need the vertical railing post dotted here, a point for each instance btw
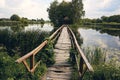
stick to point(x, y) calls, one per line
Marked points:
point(32, 61)
point(81, 65)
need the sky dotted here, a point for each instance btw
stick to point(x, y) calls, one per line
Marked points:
point(34, 9)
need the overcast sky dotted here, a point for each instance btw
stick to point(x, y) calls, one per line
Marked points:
point(34, 9)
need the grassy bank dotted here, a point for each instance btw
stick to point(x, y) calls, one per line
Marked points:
point(102, 70)
point(10, 23)
point(13, 45)
point(107, 25)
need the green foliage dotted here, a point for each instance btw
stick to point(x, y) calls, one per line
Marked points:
point(9, 70)
point(21, 41)
point(102, 70)
point(59, 12)
point(104, 20)
point(72, 60)
point(95, 56)
point(47, 54)
point(10, 23)
point(74, 28)
point(42, 21)
point(24, 21)
point(106, 72)
point(113, 18)
point(78, 10)
point(65, 12)
point(15, 17)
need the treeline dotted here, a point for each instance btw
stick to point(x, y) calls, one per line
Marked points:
point(104, 19)
point(19, 21)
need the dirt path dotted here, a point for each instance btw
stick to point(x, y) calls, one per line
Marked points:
point(61, 70)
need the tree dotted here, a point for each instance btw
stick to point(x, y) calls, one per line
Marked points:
point(15, 17)
point(24, 21)
point(104, 19)
point(60, 13)
point(42, 21)
point(52, 12)
point(78, 10)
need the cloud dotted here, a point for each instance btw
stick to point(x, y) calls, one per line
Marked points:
point(98, 8)
point(37, 8)
point(24, 8)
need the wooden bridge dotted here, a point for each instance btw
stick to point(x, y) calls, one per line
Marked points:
point(62, 69)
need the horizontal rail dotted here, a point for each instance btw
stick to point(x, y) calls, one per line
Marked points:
point(81, 52)
point(33, 52)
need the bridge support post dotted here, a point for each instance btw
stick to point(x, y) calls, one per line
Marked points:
point(81, 65)
point(32, 61)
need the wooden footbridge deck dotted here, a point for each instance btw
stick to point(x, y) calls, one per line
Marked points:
point(62, 69)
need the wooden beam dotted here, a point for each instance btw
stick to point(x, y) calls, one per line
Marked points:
point(32, 61)
point(26, 65)
point(81, 65)
point(35, 51)
point(81, 52)
point(84, 70)
point(33, 69)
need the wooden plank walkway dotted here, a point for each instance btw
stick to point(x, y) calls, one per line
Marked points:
point(61, 70)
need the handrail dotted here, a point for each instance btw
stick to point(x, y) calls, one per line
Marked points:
point(35, 51)
point(83, 57)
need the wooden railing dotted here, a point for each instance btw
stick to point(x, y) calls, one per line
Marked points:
point(82, 62)
point(32, 54)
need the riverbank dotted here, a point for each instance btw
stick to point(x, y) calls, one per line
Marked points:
point(108, 25)
point(10, 23)
point(16, 44)
point(99, 45)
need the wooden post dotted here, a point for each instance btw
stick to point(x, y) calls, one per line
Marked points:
point(81, 67)
point(85, 69)
point(26, 65)
point(32, 61)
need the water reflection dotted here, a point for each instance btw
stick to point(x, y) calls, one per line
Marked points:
point(95, 38)
point(45, 27)
point(31, 27)
point(6, 27)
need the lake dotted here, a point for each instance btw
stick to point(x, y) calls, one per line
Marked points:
point(30, 27)
point(92, 37)
point(107, 40)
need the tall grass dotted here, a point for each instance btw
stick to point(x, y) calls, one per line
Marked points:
point(102, 69)
point(22, 42)
point(18, 44)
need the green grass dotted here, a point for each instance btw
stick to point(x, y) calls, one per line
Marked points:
point(13, 45)
point(102, 69)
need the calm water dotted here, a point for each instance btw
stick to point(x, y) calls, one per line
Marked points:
point(93, 38)
point(45, 27)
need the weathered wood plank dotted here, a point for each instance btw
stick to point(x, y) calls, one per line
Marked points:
point(61, 70)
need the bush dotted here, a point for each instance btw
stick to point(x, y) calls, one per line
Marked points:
point(9, 70)
point(47, 54)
